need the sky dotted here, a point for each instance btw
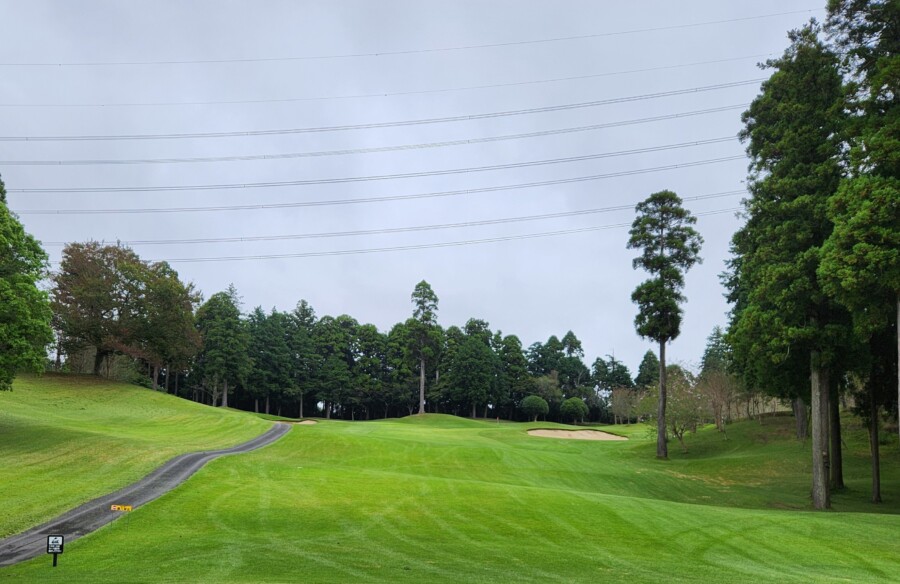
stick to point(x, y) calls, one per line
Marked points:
point(646, 96)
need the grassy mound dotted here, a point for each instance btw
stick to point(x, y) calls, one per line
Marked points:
point(67, 439)
point(432, 499)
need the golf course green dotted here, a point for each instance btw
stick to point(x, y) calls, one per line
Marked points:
point(433, 499)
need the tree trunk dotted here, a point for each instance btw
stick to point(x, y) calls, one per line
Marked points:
point(837, 459)
point(225, 395)
point(820, 418)
point(422, 386)
point(898, 361)
point(662, 450)
point(473, 411)
point(98, 361)
point(267, 404)
point(327, 411)
point(301, 405)
point(155, 377)
point(802, 421)
point(681, 441)
point(58, 365)
point(256, 405)
point(176, 384)
point(873, 445)
point(485, 411)
point(168, 374)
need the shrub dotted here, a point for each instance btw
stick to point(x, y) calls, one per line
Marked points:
point(574, 409)
point(534, 406)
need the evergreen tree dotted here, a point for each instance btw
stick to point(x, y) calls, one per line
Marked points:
point(861, 264)
point(669, 247)
point(224, 360)
point(784, 329)
point(648, 371)
point(424, 331)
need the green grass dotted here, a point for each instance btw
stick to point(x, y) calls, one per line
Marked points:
point(443, 499)
point(65, 440)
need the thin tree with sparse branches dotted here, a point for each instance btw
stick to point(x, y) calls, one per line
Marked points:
point(670, 246)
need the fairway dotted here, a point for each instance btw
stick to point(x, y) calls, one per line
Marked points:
point(442, 499)
point(65, 440)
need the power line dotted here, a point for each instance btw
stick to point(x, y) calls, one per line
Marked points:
point(379, 149)
point(390, 198)
point(393, 230)
point(417, 246)
point(382, 94)
point(405, 51)
point(397, 176)
point(394, 124)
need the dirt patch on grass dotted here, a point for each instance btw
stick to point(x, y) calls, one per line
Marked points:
point(576, 434)
point(305, 422)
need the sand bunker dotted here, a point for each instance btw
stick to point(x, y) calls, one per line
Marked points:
point(576, 434)
point(306, 422)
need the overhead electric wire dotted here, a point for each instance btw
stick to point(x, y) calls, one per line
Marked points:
point(393, 124)
point(405, 51)
point(417, 246)
point(383, 94)
point(397, 176)
point(392, 230)
point(362, 200)
point(396, 148)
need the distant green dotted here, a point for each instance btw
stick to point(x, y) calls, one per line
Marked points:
point(444, 499)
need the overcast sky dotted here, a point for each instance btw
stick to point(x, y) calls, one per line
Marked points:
point(299, 65)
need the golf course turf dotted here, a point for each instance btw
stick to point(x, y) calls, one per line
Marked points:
point(438, 498)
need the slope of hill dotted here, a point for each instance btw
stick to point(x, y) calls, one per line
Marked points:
point(436, 500)
point(67, 439)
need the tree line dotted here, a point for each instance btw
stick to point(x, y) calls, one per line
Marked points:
point(109, 305)
point(814, 278)
point(814, 275)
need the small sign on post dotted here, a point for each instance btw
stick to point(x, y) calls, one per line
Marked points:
point(120, 507)
point(55, 546)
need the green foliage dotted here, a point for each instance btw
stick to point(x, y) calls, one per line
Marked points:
point(648, 371)
point(305, 362)
point(861, 259)
point(93, 299)
point(610, 374)
point(545, 358)
point(780, 313)
point(165, 332)
point(867, 34)
point(669, 247)
point(472, 374)
point(271, 374)
point(573, 409)
point(24, 308)
point(225, 358)
point(715, 355)
point(515, 381)
point(425, 336)
point(107, 299)
point(534, 406)
point(571, 345)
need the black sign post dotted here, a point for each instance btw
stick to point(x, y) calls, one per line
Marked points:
point(55, 546)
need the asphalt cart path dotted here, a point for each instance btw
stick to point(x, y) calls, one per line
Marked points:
point(95, 514)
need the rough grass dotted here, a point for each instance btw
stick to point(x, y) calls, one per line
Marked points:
point(67, 439)
point(443, 499)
